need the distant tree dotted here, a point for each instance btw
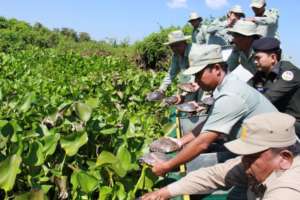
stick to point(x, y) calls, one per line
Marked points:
point(69, 33)
point(84, 37)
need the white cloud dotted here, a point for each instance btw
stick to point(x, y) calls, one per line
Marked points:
point(177, 3)
point(216, 4)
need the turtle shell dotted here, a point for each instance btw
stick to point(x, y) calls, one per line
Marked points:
point(171, 100)
point(186, 107)
point(152, 157)
point(164, 145)
point(155, 96)
point(187, 87)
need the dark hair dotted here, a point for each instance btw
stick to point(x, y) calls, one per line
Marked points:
point(294, 149)
point(277, 52)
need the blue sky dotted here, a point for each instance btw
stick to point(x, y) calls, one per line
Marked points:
point(135, 19)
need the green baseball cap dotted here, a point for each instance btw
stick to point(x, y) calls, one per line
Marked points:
point(243, 27)
point(202, 55)
point(264, 131)
point(176, 36)
point(257, 3)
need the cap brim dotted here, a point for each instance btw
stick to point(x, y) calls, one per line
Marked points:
point(195, 19)
point(240, 147)
point(256, 5)
point(231, 31)
point(183, 39)
point(193, 70)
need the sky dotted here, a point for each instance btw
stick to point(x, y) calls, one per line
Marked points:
point(135, 19)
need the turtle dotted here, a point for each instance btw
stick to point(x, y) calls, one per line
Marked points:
point(187, 107)
point(165, 145)
point(152, 157)
point(187, 87)
point(171, 100)
point(155, 96)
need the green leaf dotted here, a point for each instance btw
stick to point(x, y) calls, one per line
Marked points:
point(92, 102)
point(35, 156)
point(26, 104)
point(87, 182)
point(105, 193)
point(121, 193)
point(50, 143)
point(106, 157)
point(83, 111)
point(124, 157)
point(9, 169)
point(72, 143)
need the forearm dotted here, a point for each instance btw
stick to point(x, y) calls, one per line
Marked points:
point(195, 147)
point(186, 138)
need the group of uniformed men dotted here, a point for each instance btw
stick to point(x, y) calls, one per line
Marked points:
point(258, 118)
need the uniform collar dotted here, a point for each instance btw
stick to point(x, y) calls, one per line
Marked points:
point(276, 68)
point(218, 89)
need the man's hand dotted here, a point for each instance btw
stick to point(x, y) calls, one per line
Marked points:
point(161, 194)
point(160, 168)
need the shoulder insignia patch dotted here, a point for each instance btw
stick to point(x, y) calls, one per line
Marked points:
point(287, 75)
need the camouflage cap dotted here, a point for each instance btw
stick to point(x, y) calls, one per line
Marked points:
point(257, 3)
point(237, 9)
point(193, 16)
point(202, 55)
point(264, 131)
point(176, 36)
point(245, 28)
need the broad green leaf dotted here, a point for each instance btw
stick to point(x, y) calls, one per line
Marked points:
point(124, 157)
point(32, 195)
point(26, 104)
point(35, 156)
point(9, 169)
point(72, 143)
point(106, 157)
point(92, 102)
point(118, 169)
point(83, 111)
point(87, 182)
point(105, 193)
point(121, 193)
point(50, 143)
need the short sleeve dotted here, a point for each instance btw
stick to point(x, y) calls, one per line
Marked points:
point(225, 113)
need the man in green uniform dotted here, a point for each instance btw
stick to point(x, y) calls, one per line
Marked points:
point(277, 79)
point(267, 20)
point(218, 30)
point(244, 34)
point(269, 163)
point(198, 34)
point(234, 102)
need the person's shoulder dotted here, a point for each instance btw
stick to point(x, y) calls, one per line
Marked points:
point(272, 12)
point(289, 71)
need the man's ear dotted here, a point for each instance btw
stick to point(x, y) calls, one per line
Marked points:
point(286, 160)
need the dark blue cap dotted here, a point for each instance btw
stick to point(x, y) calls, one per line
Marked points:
point(266, 44)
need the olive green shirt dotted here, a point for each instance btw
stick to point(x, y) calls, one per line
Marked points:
point(240, 58)
point(268, 24)
point(218, 33)
point(199, 35)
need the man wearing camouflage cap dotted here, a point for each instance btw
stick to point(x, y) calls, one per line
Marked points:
point(218, 31)
point(198, 34)
point(244, 34)
point(234, 102)
point(277, 79)
point(269, 163)
point(267, 20)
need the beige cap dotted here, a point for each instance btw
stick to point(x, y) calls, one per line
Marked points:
point(176, 36)
point(264, 131)
point(243, 27)
point(202, 55)
point(237, 9)
point(193, 16)
point(257, 3)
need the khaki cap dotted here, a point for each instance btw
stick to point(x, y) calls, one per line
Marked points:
point(202, 55)
point(176, 36)
point(257, 3)
point(193, 16)
point(264, 131)
point(243, 27)
point(237, 9)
